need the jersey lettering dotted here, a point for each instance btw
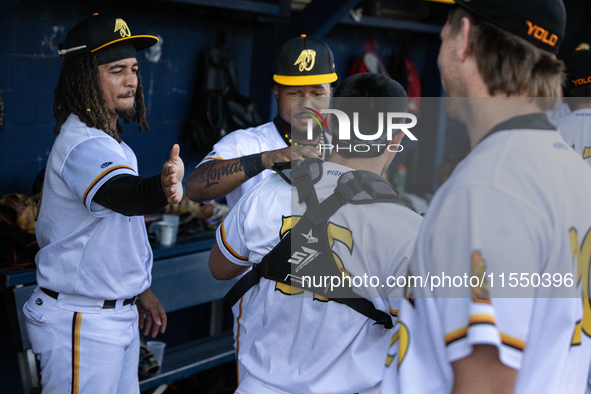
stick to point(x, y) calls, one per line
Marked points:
point(586, 152)
point(398, 345)
point(341, 234)
point(334, 232)
point(582, 253)
point(334, 173)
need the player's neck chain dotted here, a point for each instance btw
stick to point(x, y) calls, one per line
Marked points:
point(283, 128)
point(317, 146)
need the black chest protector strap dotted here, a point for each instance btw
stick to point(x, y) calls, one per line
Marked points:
point(304, 258)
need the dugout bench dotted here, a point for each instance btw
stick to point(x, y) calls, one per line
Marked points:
point(180, 279)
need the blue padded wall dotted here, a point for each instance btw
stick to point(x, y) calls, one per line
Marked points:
point(30, 67)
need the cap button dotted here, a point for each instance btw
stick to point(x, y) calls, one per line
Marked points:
point(303, 36)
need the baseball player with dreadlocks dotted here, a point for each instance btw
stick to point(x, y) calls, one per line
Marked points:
point(95, 260)
point(518, 205)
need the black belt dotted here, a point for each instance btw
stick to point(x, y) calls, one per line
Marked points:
point(108, 304)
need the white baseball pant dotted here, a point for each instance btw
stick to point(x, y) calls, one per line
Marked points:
point(82, 347)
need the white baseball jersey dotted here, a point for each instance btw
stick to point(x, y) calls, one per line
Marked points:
point(240, 143)
point(302, 344)
point(243, 143)
point(560, 109)
point(519, 203)
point(88, 254)
point(87, 249)
point(575, 128)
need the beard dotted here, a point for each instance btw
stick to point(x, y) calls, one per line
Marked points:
point(126, 114)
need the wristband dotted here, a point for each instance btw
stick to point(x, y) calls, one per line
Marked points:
point(252, 164)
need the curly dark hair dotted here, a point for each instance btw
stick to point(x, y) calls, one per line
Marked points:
point(79, 92)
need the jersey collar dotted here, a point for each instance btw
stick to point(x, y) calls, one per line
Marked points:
point(283, 127)
point(538, 121)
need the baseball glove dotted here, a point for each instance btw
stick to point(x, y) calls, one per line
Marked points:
point(148, 364)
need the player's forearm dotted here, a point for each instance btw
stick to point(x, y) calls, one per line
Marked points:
point(221, 268)
point(483, 372)
point(217, 178)
point(132, 195)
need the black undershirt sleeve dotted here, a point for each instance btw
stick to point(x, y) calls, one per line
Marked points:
point(132, 195)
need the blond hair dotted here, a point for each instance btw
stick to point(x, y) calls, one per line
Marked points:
point(511, 65)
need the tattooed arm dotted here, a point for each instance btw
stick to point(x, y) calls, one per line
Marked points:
point(216, 178)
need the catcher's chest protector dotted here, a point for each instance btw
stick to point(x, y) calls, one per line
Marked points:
point(303, 258)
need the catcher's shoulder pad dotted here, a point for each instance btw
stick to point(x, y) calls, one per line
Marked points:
point(375, 189)
point(296, 171)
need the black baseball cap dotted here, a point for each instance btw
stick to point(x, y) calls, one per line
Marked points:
point(541, 22)
point(102, 31)
point(578, 67)
point(304, 61)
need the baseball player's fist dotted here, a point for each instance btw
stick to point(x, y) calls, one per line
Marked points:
point(288, 154)
point(172, 176)
point(151, 313)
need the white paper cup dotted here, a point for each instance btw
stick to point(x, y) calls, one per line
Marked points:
point(164, 232)
point(174, 219)
point(157, 349)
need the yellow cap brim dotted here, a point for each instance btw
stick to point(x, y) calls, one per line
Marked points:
point(144, 39)
point(305, 80)
point(442, 1)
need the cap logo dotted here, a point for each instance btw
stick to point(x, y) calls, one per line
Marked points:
point(581, 81)
point(306, 60)
point(121, 27)
point(541, 34)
